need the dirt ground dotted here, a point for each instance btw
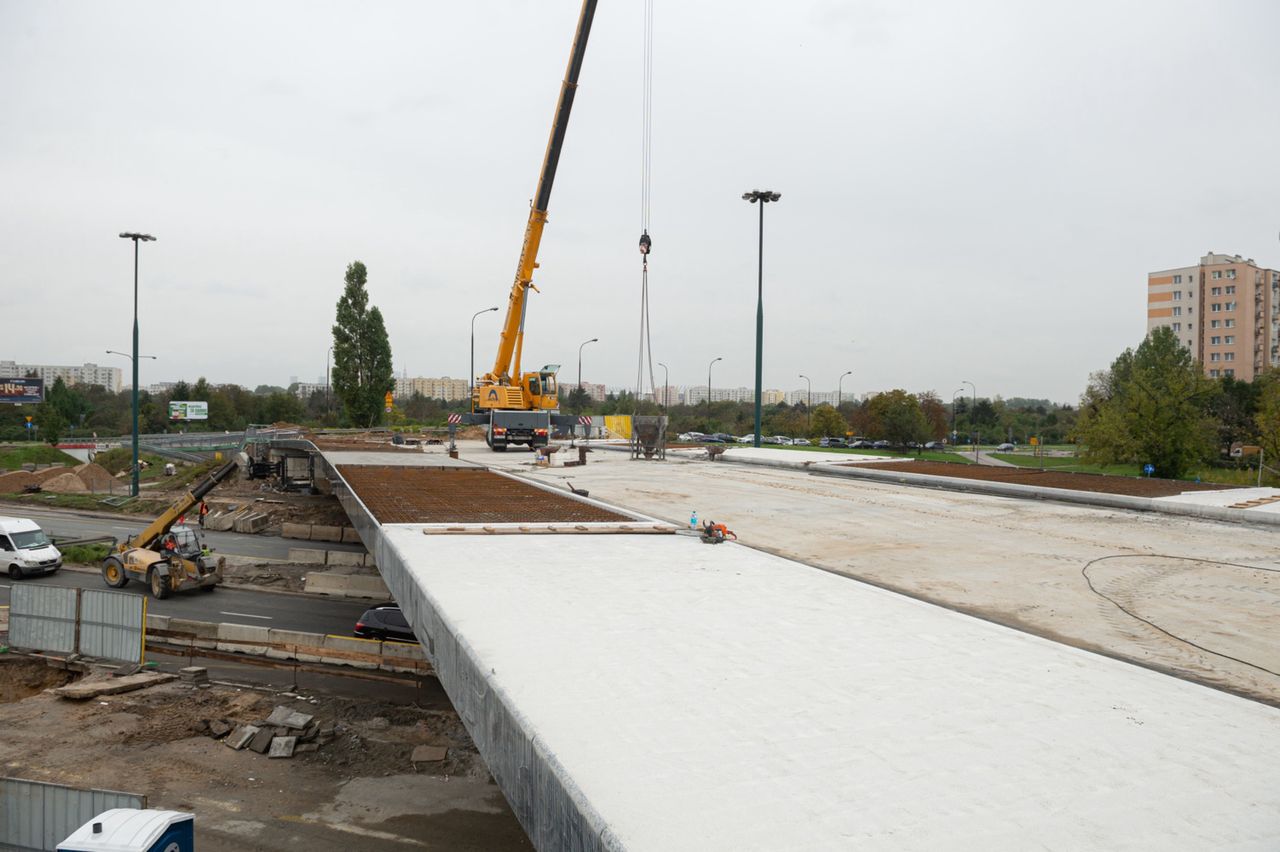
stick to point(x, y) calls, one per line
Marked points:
point(1193, 598)
point(358, 791)
point(1132, 486)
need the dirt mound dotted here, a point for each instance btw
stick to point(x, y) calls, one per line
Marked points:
point(13, 483)
point(40, 477)
point(95, 477)
point(64, 483)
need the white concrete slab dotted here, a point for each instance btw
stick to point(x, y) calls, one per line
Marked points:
point(1229, 497)
point(717, 698)
point(405, 458)
point(771, 456)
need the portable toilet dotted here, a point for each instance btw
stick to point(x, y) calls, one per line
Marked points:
point(134, 830)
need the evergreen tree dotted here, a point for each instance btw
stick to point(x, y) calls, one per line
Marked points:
point(362, 369)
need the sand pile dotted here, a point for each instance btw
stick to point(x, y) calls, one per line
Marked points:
point(13, 483)
point(42, 476)
point(65, 482)
point(95, 477)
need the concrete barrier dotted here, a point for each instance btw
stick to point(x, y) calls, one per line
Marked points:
point(254, 522)
point(243, 638)
point(308, 555)
point(344, 557)
point(294, 642)
point(320, 532)
point(299, 531)
point(402, 657)
point(205, 633)
point(343, 644)
point(322, 583)
point(221, 522)
point(367, 586)
point(157, 622)
point(351, 536)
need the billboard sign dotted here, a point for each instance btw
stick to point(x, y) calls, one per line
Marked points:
point(18, 391)
point(179, 410)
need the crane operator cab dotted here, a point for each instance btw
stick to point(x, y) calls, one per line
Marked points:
point(540, 388)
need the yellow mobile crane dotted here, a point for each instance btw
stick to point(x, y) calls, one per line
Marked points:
point(167, 555)
point(516, 407)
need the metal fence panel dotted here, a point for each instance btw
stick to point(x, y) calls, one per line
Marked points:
point(111, 625)
point(38, 816)
point(42, 618)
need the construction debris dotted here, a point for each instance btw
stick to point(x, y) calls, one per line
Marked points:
point(284, 716)
point(194, 676)
point(428, 754)
point(91, 688)
point(282, 746)
point(241, 736)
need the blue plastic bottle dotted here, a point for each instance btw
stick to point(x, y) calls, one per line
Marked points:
point(693, 521)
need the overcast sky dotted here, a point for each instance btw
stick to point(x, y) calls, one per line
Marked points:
point(971, 191)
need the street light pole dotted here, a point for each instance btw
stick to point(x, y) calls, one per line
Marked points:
point(134, 359)
point(666, 385)
point(472, 383)
point(808, 405)
point(953, 414)
point(328, 387)
point(580, 345)
point(709, 390)
point(137, 238)
point(763, 197)
point(973, 416)
point(839, 387)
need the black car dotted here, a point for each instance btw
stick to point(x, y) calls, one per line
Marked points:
point(385, 622)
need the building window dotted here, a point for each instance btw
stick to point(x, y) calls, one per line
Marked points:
point(1215, 291)
point(1229, 373)
point(1177, 326)
point(1231, 273)
point(1214, 323)
point(1230, 339)
point(1228, 356)
point(1216, 307)
point(1229, 306)
point(1177, 279)
point(1231, 289)
point(1177, 295)
point(1213, 374)
point(1215, 356)
point(1215, 340)
point(1230, 323)
point(1177, 312)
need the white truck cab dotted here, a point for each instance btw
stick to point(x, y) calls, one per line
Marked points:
point(25, 550)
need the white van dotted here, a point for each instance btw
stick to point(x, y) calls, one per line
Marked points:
point(25, 549)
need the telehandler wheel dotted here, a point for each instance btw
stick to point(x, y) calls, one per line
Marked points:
point(159, 585)
point(207, 588)
point(499, 448)
point(113, 573)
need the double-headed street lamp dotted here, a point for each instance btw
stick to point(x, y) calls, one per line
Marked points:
point(134, 479)
point(472, 384)
point(839, 384)
point(763, 196)
point(709, 389)
point(137, 238)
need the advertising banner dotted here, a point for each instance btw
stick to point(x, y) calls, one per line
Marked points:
point(22, 390)
point(188, 410)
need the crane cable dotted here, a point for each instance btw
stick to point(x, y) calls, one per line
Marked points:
point(646, 172)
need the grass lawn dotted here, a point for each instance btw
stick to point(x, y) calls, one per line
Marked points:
point(925, 455)
point(1225, 476)
point(14, 457)
point(144, 506)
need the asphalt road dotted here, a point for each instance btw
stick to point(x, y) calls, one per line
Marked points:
point(62, 524)
point(234, 606)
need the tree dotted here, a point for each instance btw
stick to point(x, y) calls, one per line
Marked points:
point(935, 414)
point(898, 417)
point(827, 422)
point(51, 422)
point(362, 368)
point(1149, 408)
point(1268, 416)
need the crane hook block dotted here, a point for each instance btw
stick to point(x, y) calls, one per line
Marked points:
point(645, 243)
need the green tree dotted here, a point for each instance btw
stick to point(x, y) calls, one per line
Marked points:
point(51, 422)
point(1149, 408)
point(1267, 418)
point(827, 423)
point(362, 368)
point(898, 417)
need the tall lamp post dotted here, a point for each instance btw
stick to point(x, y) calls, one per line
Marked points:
point(808, 405)
point(666, 385)
point(763, 196)
point(839, 387)
point(953, 414)
point(137, 238)
point(709, 389)
point(580, 345)
point(134, 479)
point(973, 416)
point(328, 386)
point(472, 383)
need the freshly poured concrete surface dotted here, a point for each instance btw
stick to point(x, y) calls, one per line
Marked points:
point(714, 697)
point(433, 457)
point(1231, 498)
point(1018, 562)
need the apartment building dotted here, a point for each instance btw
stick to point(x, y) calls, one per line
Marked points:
point(450, 390)
point(86, 374)
point(1225, 310)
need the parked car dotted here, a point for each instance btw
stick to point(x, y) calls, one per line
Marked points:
point(882, 445)
point(831, 442)
point(862, 444)
point(725, 438)
point(774, 439)
point(25, 550)
point(936, 445)
point(801, 442)
point(385, 622)
point(1004, 448)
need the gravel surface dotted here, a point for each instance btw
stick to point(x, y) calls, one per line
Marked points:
point(1131, 486)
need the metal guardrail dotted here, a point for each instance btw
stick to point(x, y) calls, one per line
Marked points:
point(35, 815)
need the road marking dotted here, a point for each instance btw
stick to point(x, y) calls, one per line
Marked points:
point(247, 615)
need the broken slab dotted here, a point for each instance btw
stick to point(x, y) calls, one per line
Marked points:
point(287, 717)
point(429, 754)
point(261, 741)
point(241, 737)
point(84, 690)
point(218, 729)
point(282, 746)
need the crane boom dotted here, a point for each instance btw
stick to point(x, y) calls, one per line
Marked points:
point(511, 341)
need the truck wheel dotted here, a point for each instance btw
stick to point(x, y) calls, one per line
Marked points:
point(159, 585)
point(113, 573)
point(207, 588)
point(15, 573)
point(499, 448)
